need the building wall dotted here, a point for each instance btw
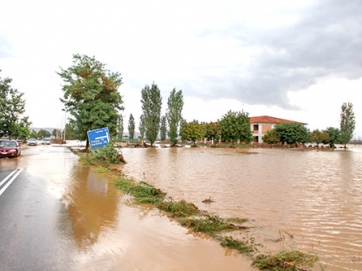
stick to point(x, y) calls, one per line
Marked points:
point(266, 128)
point(262, 129)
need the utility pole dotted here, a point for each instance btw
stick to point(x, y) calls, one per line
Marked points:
point(65, 122)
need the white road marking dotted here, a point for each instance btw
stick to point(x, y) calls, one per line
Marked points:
point(9, 179)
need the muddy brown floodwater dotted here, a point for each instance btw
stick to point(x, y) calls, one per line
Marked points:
point(302, 200)
point(106, 231)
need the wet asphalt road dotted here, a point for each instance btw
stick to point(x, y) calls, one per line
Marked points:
point(33, 223)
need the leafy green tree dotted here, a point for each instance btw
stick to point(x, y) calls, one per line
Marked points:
point(324, 137)
point(192, 131)
point(33, 134)
point(12, 109)
point(315, 136)
point(271, 137)
point(43, 133)
point(91, 95)
point(318, 137)
point(347, 124)
point(212, 130)
point(236, 126)
point(142, 128)
point(151, 106)
point(120, 127)
point(70, 130)
point(163, 129)
point(131, 127)
point(334, 136)
point(21, 129)
point(292, 133)
point(174, 114)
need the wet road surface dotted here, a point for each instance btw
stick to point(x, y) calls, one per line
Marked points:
point(31, 239)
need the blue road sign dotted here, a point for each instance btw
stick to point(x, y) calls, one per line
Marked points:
point(98, 138)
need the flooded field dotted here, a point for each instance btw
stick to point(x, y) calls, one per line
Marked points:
point(303, 200)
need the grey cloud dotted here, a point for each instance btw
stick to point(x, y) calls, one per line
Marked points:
point(327, 40)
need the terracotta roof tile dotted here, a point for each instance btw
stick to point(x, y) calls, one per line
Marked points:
point(272, 120)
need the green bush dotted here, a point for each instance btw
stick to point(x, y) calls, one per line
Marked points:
point(107, 155)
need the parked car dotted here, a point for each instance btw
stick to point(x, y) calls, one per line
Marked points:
point(46, 141)
point(32, 141)
point(9, 148)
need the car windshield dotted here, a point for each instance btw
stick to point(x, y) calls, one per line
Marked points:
point(7, 144)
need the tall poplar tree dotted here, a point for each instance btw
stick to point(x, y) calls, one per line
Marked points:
point(131, 127)
point(13, 123)
point(91, 95)
point(347, 124)
point(142, 128)
point(151, 106)
point(163, 129)
point(174, 115)
point(120, 127)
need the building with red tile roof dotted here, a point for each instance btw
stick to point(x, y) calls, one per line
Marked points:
point(260, 125)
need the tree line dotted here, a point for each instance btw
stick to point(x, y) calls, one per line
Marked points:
point(92, 99)
point(293, 133)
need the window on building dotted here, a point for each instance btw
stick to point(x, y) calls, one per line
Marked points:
point(256, 127)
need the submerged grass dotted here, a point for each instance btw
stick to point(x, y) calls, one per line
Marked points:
point(237, 220)
point(145, 193)
point(179, 209)
point(285, 260)
point(124, 184)
point(244, 247)
point(208, 224)
point(142, 192)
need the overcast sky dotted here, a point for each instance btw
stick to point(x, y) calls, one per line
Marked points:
point(298, 60)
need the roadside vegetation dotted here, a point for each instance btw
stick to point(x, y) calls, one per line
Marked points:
point(102, 157)
point(13, 123)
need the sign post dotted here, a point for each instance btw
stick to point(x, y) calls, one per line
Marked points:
point(98, 138)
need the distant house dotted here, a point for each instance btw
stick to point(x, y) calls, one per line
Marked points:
point(262, 124)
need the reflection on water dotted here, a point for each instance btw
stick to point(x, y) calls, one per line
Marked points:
point(310, 200)
point(91, 206)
